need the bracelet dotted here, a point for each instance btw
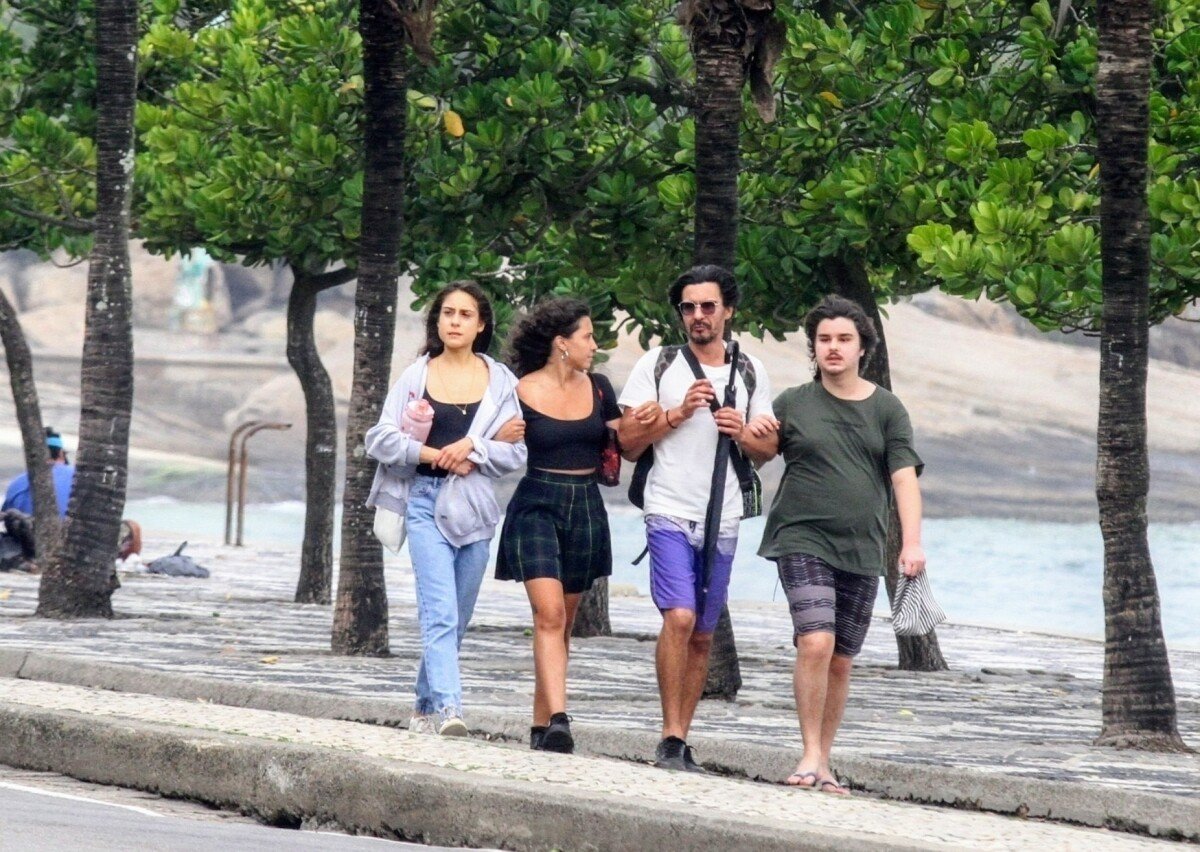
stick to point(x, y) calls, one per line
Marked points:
point(667, 417)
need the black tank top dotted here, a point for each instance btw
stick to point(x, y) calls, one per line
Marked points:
point(450, 423)
point(555, 444)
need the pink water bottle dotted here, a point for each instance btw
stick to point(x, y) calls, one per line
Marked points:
point(417, 419)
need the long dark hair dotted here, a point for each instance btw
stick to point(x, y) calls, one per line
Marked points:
point(483, 341)
point(533, 336)
point(835, 307)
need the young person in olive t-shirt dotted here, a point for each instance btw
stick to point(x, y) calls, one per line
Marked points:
point(847, 444)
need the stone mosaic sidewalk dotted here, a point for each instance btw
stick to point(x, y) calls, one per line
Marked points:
point(1017, 704)
point(697, 800)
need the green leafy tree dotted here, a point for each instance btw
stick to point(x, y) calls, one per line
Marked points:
point(251, 151)
point(46, 198)
point(1020, 223)
point(48, 166)
point(1087, 219)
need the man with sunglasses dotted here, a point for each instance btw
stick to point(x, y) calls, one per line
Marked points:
point(666, 406)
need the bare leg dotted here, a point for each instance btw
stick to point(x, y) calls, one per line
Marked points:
point(811, 684)
point(696, 675)
point(671, 660)
point(549, 651)
point(835, 704)
point(571, 603)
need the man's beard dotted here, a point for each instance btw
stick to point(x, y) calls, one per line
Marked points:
point(702, 336)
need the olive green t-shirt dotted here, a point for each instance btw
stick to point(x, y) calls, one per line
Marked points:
point(835, 496)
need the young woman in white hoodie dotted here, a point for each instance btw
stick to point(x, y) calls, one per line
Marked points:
point(442, 486)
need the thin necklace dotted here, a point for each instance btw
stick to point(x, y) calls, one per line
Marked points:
point(462, 409)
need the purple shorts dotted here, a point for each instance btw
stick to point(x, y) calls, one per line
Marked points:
point(676, 568)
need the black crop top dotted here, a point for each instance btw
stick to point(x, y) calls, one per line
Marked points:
point(571, 444)
point(450, 423)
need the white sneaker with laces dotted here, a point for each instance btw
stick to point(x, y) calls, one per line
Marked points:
point(453, 726)
point(421, 724)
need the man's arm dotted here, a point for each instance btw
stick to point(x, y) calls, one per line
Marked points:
point(908, 506)
point(639, 430)
point(639, 427)
point(759, 439)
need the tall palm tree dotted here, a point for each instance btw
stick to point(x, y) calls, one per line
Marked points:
point(46, 525)
point(387, 27)
point(733, 42)
point(79, 579)
point(1138, 704)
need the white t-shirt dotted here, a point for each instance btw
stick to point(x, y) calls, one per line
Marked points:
point(680, 480)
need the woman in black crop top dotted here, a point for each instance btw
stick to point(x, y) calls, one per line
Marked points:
point(555, 537)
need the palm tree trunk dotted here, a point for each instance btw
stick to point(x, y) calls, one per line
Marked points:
point(46, 526)
point(718, 112)
point(320, 460)
point(1138, 700)
point(849, 279)
point(80, 578)
point(591, 619)
point(360, 615)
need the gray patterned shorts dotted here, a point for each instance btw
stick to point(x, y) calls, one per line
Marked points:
point(825, 600)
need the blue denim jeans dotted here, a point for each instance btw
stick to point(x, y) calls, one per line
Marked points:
point(447, 582)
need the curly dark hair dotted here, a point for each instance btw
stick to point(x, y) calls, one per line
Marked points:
point(533, 335)
point(483, 341)
point(834, 307)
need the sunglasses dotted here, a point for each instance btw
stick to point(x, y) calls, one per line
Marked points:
point(708, 308)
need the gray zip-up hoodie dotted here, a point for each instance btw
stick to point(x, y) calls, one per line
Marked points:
point(466, 510)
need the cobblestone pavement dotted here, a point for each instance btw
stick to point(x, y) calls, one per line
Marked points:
point(1015, 703)
point(613, 780)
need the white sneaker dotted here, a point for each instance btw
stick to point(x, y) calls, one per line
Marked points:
point(453, 726)
point(421, 724)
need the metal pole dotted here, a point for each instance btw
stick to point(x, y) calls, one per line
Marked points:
point(229, 478)
point(242, 466)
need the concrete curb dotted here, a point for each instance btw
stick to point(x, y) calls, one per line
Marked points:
point(285, 784)
point(1115, 808)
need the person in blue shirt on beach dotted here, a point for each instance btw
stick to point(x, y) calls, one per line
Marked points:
point(19, 495)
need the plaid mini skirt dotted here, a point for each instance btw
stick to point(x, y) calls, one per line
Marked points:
point(556, 527)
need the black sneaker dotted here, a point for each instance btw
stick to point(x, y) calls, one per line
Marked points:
point(558, 735)
point(689, 761)
point(536, 733)
point(669, 754)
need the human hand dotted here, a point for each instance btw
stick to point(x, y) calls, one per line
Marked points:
point(454, 454)
point(699, 395)
point(762, 426)
point(912, 560)
point(512, 431)
point(729, 421)
point(464, 468)
point(647, 412)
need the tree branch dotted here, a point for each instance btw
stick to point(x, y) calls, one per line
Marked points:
point(73, 224)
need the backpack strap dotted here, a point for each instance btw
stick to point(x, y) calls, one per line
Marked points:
point(741, 464)
point(666, 357)
point(749, 374)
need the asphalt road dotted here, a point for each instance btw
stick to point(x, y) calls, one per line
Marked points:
point(42, 812)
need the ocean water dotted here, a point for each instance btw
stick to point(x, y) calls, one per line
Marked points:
point(1004, 573)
